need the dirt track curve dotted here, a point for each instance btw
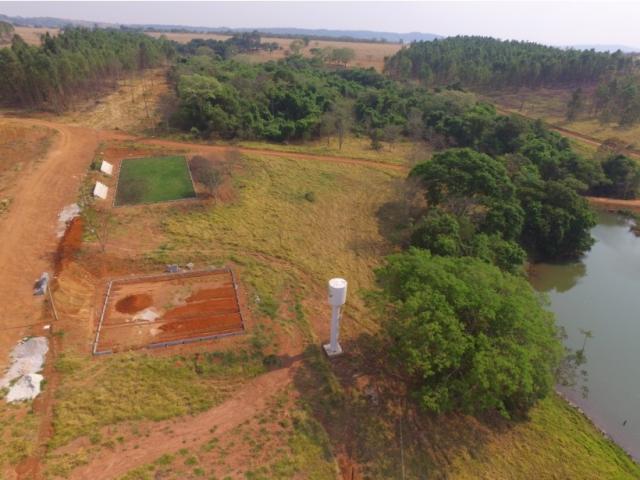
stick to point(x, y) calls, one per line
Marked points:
point(171, 435)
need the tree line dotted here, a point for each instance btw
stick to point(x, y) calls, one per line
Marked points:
point(488, 62)
point(6, 31)
point(614, 100)
point(245, 42)
point(76, 63)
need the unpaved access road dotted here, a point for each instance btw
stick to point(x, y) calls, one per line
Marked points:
point(28, 230)
point(565, 132)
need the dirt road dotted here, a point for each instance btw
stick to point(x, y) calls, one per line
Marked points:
point(615, 203)
point(171, 435)
point(28, 231)
point(568, 133)
point(204, 148)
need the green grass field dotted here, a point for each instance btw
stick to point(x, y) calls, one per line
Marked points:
point(154, 179)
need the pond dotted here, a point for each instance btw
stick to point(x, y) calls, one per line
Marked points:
point(601, 294)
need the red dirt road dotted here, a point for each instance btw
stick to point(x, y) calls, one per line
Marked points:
point(28, 231)
point(615, 203)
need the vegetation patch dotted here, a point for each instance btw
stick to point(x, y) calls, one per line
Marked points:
point(154, 179)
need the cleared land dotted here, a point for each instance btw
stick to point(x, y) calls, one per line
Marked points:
point(31, 35)
point(168, 309)
point(368, 54)
point(152, 180)
point(551, 106)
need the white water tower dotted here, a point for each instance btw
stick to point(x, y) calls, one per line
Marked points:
point(337, 298)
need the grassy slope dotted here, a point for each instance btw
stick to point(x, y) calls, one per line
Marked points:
point(558, 442)
point(156, 179)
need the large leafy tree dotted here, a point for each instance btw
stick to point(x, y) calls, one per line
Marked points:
point(468, 183)
point(467, 336)
point(623, 177)
point(557, 220)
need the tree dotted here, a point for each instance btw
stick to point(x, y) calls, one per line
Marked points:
point(98, 222)
point(576, 104)
point(343, 56)
point(558, 221)
point(467, 183)
point(296, 46)
point(206, 173)
point(466, 336)
point(622, 177)
point(6, 32)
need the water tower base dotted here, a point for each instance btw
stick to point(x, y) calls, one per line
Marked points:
point(331, 352)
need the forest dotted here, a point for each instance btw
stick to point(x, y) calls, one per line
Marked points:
point(488, 62)
point(76, 63)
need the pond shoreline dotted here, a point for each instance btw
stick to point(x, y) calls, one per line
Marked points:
point(598, 294)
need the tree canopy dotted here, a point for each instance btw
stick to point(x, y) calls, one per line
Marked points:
point(485, 61)
point(77, 61)
point(467, 336)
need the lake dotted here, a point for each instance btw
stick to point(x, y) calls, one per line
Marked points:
point(601, 293)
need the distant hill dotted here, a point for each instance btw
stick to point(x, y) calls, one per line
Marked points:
point(50, 22)
point(355, 34)
point(393, 37)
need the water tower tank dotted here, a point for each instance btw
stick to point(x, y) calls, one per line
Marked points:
point(337, 292)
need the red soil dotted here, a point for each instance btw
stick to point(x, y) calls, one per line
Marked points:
point(134, 303)
point(69, 244)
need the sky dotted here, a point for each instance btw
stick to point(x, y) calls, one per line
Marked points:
point(553, 23)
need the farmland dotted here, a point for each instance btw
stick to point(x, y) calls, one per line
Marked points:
point(367, 54)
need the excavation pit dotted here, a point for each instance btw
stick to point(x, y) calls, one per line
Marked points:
point(168, 309)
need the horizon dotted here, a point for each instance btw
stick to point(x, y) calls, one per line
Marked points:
point(593, 23)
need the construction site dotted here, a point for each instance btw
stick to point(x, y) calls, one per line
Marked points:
point(170, 309)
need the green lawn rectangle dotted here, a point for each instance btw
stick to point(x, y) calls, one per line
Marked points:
point(153, 179)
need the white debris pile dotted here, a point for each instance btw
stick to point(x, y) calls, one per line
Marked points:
point(147, 315)
point(22, 379)
point(67, 214)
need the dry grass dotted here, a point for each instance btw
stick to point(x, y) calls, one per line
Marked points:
point(551, 106)
point(32, 35)
point(135, 106)
point(368, 54)
point(353, 147)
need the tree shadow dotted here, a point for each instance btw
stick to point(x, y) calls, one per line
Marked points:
point(375, 422)
point(546, 277)
point(397, 216)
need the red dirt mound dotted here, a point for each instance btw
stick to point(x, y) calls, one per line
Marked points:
point(69, 245)
point(134, 303)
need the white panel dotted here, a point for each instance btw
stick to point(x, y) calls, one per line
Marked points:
point(101, 191)
point(106, 167)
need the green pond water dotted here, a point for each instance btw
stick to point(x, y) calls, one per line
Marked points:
point(601, 293)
